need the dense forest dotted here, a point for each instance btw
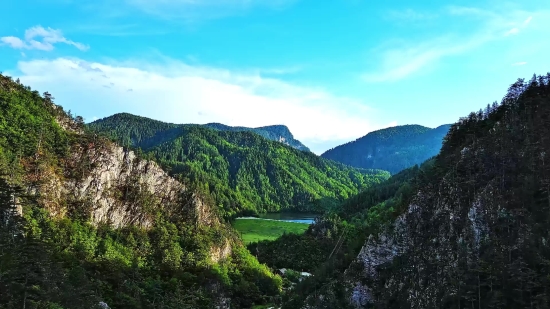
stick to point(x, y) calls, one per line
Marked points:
point(393, 149)
point(278, 133)
point(332, 243)
point(467, 229)
point(56, 252)
point(244, 172)
point(142, 131)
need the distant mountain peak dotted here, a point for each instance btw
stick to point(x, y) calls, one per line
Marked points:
point(392, 149)
point(279, 133)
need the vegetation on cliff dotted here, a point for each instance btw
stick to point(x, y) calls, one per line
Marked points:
point(467, 230)
point(53, 255)
point(244, 172)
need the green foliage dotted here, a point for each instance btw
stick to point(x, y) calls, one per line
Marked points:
point(477, 234)
point(392, 149)
point(244, 172)
point(66, 262)
point(254, 230)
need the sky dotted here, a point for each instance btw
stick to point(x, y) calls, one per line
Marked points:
point(332, 71)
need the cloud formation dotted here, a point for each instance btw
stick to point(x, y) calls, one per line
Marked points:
point(41, 39)
point(180, 93)
point(519, 63)
point(398, 63)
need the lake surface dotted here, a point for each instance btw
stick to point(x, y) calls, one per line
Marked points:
point(307, 218)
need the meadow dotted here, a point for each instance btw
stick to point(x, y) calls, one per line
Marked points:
point(254, 230)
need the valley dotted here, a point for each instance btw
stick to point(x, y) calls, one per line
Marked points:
point(132, 212)
point(255, 230)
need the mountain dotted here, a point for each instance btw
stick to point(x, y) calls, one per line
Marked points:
point(86, 223)
point(469, 229)
point(392, 149)
point(244, 172)
point(278, 133)
point(155, 129)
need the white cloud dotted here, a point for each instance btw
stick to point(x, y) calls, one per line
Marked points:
point(13, 42)
point(40, 38)
point(519, 63)
point(512, 31)
point(180, 93)
point(400, 62)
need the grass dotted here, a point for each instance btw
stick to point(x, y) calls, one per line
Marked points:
point(254, 230)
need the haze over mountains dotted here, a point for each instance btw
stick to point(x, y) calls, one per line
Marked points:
point(393, 149)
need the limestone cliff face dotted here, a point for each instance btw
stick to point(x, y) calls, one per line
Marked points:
point(475, 234)
point(108, 184)
point(418, 256)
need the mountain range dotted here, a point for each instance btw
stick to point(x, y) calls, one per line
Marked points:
point(156, 129)
point(244, 172)
point(135, 213)
point(393, 149)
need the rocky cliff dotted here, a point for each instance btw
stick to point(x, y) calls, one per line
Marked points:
point(122, 188)
point(98, 223)
point(474, 235)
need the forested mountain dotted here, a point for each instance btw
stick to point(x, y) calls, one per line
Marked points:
point(242, 171)
point(392, 149)
point(278, 133)
point(142, 131)
point(85, 223)
point(332, 243)
point(470, 229)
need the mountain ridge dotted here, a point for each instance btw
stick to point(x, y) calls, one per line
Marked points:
point(280, 133)
point(392, 149)
point(245, 172)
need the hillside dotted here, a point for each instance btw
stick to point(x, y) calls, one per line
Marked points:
point(473, 233)
point(278, 133)
point(143, 131)
point(84, 221)
point(392, 149)
point(244, 172)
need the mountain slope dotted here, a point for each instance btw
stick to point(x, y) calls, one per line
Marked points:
point(392, 149)
point(278, 133)
point(474, 233)
point(83, 220)
point(144, 131)
point(243, 171)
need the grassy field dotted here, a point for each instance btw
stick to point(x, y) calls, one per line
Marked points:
point(253, 230)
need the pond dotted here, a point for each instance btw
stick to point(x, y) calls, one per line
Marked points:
point(290, 217)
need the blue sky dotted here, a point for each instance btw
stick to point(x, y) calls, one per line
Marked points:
point(331, 71)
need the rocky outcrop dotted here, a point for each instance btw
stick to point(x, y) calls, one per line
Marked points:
point(112, 185)
point(475, 234)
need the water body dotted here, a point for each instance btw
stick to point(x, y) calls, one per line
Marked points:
point(307, 218)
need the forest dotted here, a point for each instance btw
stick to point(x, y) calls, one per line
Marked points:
point(244, 172)
point(52, 252)
point(465, 228)
point(392, 149)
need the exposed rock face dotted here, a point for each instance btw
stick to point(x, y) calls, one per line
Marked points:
point(120, 189)
point(219, 253)
point(475, 235)
point(418, 256)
